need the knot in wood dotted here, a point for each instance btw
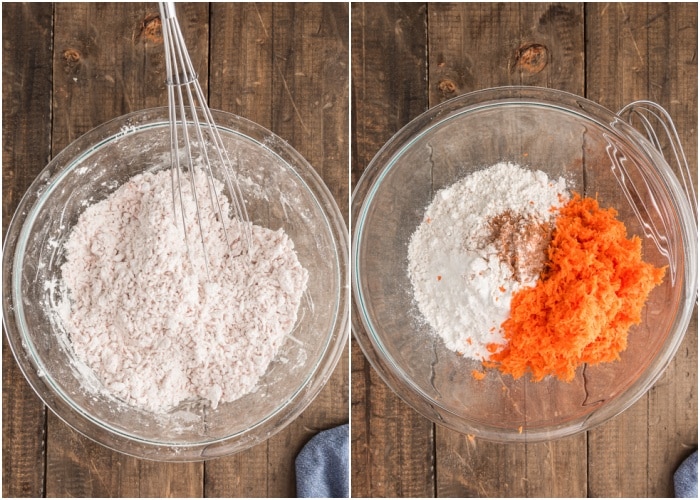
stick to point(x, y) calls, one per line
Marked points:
point(71, 56)
point(447, 86)
point(532, 57)
point(152, 29)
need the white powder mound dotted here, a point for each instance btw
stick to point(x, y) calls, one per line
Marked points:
point(462, 281)
point(143, 314)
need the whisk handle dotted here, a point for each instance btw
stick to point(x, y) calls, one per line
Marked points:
point(657, 125)
point(167, 10)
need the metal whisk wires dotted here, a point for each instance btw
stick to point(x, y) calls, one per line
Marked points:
point(190, 114)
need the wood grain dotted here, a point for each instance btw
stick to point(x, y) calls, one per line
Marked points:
point(108, 61)
point(242, 62)
point(26, 141)
point(392, 446)
point(389, 60)
point(476, 45)
point(673, 415)
point(310, 82)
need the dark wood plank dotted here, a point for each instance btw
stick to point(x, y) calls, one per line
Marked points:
point(673, 416)
point(470, 467)
point(285, 67)
point(392, 445)
point(310, 87)
point(359, 416)
point(108, 61)
point(479, 45)
point(26, 140)
point(648, 51)
point(389, 74)
point(84, 469)
point(474, 46)
point(241, 64)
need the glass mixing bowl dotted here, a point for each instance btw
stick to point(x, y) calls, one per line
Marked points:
point(281, 190)
point(600, 155)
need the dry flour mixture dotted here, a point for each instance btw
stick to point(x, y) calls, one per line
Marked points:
point(145, 319)
point(482, 239)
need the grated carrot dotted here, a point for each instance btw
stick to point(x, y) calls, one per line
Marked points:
point(478, 375)
point(593, 290)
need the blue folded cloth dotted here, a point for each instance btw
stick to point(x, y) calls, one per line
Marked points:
point(685, 479)
point(322, 466)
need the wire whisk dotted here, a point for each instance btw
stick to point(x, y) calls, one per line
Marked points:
point(196, 144)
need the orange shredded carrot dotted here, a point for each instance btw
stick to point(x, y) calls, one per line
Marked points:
point(520, 429)
point(593, 290)
point(469, 340)
point(478, 375)
point(439, 278)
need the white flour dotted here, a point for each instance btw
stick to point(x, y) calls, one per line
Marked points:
point(143, 315)
point(476, 247)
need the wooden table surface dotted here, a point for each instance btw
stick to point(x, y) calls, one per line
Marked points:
point(70, 67)
point(407, 58)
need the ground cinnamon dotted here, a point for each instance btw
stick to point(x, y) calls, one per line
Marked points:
point(522, 243)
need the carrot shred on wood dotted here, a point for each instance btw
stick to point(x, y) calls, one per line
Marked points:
point(593, 289)
point(478, 375)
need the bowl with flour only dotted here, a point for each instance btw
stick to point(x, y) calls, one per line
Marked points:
point(185, 366)
point(469, 190)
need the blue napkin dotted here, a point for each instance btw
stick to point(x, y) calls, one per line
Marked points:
point(322, 466)
point(685, 479)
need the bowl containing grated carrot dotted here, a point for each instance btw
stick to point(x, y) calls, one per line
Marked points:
point(524, 261)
